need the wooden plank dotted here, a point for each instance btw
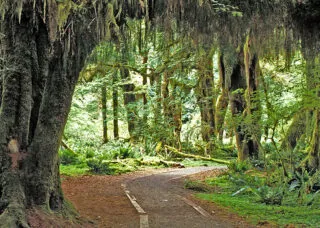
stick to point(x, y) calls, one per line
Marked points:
point(195, 206)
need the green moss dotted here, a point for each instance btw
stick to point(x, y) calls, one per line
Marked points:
point(74, 170)
point(64, 9)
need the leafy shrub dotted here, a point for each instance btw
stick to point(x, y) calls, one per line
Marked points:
point(271, 195)
point(68, 157)
point(90, 154)
point(99, 166)
point(239, 167)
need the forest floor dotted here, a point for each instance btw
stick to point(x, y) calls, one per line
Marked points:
point(150, 198)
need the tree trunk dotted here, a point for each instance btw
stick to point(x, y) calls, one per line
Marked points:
point(223, 99)
point(115, 104)
point(238, 106)
point(145, 101)
point(129, 101)
point(245, 105)
point(165, 96)
point(313, 115)
point(177, 115)
point(206, 98)
point(38, 83)
point(252, 96)
point(314, 151)
point(104, 113)
point(167, 110)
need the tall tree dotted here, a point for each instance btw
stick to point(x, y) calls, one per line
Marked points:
point(206, 96)
point(104, 112)
point(223, 99)
point(38, 82)
point(115, 105)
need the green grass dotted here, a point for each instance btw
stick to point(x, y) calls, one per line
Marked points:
point(244, 205)
point(74, 170)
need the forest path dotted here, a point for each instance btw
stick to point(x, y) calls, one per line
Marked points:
point(154, 198)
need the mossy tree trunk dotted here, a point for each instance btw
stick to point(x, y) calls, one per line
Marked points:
point(129, 99)
point(314, 151)
point(244, 103)
point(38, 83)
point(223, 99)
point(253, 110)
point(238, 105)
point(144, 83)
point(206, 98)
point(176, 109)
point(205, 93)
point(165, 96)
point(167, 109)
point(313, 115)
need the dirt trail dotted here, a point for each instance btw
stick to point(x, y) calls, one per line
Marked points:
point(160, 194)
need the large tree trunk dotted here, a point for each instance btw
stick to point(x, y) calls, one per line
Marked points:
point(167, 103)
point(245, 105)
point(313, 115)
point(239, 109)
point(38, 83)
point(206, 98)
point(252, 96)
point(223, 99)
point(314, 150)
point(238, 105)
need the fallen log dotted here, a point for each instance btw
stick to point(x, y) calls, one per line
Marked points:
point(172, 164)
point(179, 153)
point(67, 147)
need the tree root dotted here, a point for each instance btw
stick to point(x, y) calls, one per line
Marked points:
point(14, 216)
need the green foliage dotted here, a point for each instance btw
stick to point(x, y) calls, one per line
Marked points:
point(238, 166)
point(259, 213)
point(68, 157)
point(99, 166)
point(261, 197)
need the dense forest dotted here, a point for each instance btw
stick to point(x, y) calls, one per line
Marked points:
point(235, 82)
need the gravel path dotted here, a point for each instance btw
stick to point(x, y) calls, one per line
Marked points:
point(166, 203)
point(145, 199)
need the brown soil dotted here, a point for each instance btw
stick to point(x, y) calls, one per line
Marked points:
point(102, 200)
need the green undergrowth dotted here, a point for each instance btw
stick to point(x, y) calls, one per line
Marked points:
point(109, 167)
point(96, 165)
point(114, 158)
point(261, 196)
point(247, 207)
